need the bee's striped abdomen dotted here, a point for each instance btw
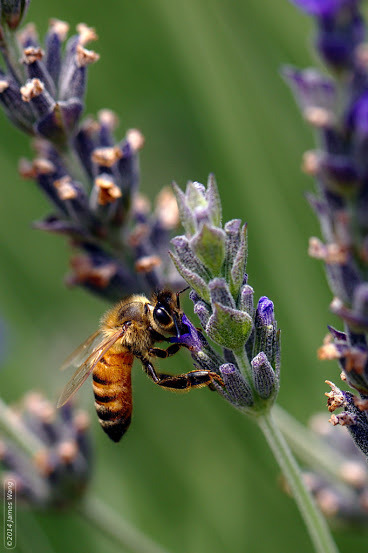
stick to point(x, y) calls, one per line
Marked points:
point(113, 392)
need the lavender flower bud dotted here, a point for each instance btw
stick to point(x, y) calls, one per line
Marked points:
point(267, 338)
point(73, 72)
point(193, 279)
point(54, 40)
point(220, 292)
point(208, 244)
point(187, 257)
point(12, 12)
point(264, 379)
point(246, 299)
point(202, 310)
point(237, 388)
point(233, 230)
point(352, 357)
point(36, 69)
point(354, 416)
point(236, 254)
point(198, 206)
point(265, 313)
point(230, 328)
point(227, 326)
point(128, 165)
point(84, 143)
point(34, 92)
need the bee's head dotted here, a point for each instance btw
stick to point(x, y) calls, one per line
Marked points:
point(167, 315)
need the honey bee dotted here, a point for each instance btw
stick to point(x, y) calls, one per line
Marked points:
point(130, 329)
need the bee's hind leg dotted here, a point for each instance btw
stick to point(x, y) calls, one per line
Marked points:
point(182, 382)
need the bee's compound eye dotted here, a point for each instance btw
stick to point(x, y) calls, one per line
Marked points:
point(161, 316)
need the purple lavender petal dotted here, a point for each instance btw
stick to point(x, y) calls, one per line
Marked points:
point(337, 44)
point(323, 8)
point(56, 225)
point(68, 65)
point(337, 334)
point(265, 312)
point(310, 87)
point(128, 169)
point(53, 46)
point(340, 169)
point(357, 117)
point(191, 339)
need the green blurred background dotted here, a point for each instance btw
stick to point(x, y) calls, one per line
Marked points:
point(201, 79)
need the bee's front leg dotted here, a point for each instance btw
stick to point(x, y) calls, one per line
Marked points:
point(182, 382)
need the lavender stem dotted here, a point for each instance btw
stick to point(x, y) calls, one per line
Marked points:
point(314, 521)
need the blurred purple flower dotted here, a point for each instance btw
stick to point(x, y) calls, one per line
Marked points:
point(120, 245)
point(60, 468)
point(324, 8)
point(340, 166)
point(340, 29)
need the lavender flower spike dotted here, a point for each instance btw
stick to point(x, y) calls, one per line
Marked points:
point(213, 262)
point(90, 178)
point(340, 167)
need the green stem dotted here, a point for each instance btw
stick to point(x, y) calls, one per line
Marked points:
point(244, 365)
point(314, 521)
point(101, 516)
point(12, 54)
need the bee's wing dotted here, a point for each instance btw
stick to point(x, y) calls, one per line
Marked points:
point(83, 351)
point(85, 369)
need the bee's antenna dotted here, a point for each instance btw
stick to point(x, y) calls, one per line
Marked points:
point(178, 294)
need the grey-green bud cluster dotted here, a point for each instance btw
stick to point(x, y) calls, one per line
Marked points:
point(212, 259)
